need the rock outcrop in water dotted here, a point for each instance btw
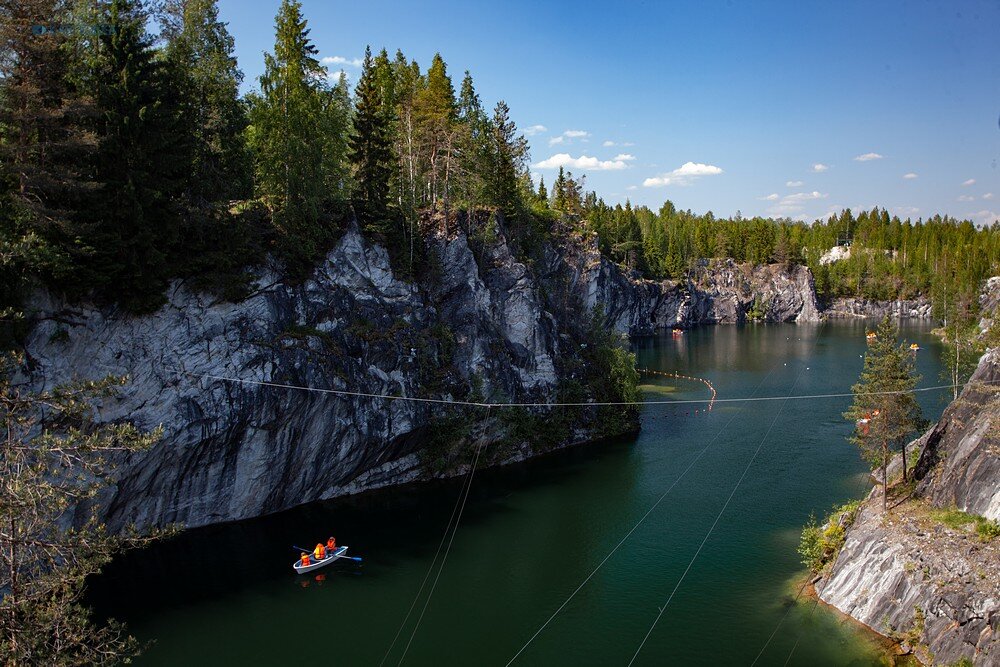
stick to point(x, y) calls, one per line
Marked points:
point(715, 292)
point(483, 324)
point(908, 573)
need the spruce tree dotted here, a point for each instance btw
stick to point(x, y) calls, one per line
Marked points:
point(509, 155)
point(289, 122)
point(884, 410)
point(199, 49)
point(472, 145)
point(371, 151)
point(141, 161)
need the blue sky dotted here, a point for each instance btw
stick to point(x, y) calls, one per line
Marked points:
point(770, 108)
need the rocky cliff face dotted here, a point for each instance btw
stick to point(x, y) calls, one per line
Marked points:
point(894, 565)
point(717, 291)
point(237, 449)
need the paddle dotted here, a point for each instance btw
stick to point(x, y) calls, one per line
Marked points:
point(356, 559)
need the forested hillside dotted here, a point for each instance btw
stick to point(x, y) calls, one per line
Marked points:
point(131, 158)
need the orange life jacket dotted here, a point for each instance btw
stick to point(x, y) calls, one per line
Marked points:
point(320, 552)
point(305, 560)
point(331, 544)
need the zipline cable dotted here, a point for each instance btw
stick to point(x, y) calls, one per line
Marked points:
point(636, 526)
point(444, 537)
point(715, 523)
point(458, 519)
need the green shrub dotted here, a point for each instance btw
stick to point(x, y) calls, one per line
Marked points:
point(819, 545)
point(987, 529)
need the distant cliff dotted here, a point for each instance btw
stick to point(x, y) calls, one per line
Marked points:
point(923, 573)
point(904, 309)
point(714, 292)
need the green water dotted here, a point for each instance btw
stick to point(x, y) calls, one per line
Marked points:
point(531, 533)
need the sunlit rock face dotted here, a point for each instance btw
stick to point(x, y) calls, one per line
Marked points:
point(904, 309)
point(893, 564)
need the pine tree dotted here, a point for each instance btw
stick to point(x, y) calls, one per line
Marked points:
point(53, 460)
point(885, 411)
point(434, 108)
point(371, 151)
point(46, 143)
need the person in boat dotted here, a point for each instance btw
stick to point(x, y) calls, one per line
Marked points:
point(331, 545)
point(305, 560)
point(319, 552)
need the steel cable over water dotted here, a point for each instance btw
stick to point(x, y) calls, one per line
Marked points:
point(637, 524)
point(473, 404)
point(437, 553)
point(718, 517)
point(458, 519)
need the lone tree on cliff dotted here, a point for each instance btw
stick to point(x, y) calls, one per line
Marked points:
point(53, 456)
point(885, 412)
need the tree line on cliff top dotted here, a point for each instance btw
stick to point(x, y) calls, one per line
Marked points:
point(131, 158)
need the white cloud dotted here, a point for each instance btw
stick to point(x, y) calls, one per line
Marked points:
point(966, 198)
point(608, 144)
point(632, 187)
point(568, 136)
point(683, 175)
point(334, 75)
point(624, 157)
point(909, 176)
point(987, 217)
point(793, 203)
point(819, 166)
point(771, 197)
point(535, 129)
point(793, 184)
point(341, 60)
point(969, 182)
point(867, 157)
point(988, 195)
point(582, 162)
point(804, 196)
point(905, 210)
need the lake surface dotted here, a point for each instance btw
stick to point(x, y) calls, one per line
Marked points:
point(532, 533)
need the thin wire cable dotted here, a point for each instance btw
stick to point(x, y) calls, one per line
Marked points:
point(444, 559)
point(444, 537)
point(749, 399)
point(780, 621)
point(636, 526)
point(714, 523)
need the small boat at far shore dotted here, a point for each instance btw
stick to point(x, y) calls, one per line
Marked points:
point(316, 564)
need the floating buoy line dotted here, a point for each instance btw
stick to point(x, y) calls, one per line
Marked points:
point(681, 376)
